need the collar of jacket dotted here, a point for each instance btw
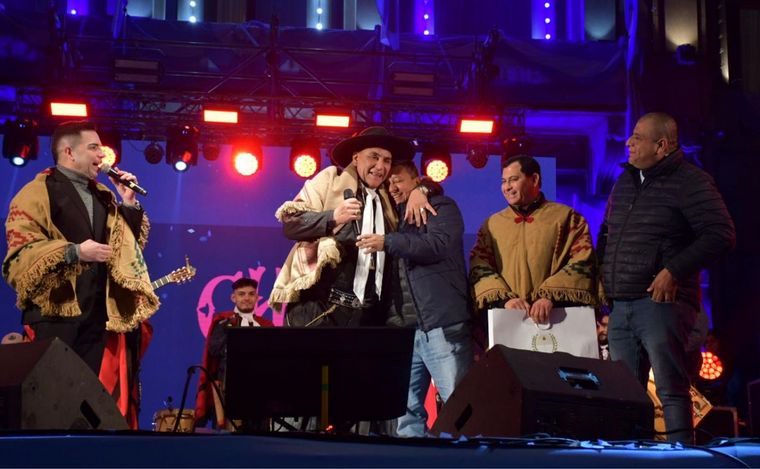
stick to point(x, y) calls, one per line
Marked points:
point(664, 166)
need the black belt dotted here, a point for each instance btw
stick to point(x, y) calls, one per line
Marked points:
point(348, 300)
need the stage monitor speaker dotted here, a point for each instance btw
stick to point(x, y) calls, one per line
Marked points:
point(513, 393)
point(45, 385)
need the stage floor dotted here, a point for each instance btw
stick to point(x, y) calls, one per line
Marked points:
point(148, 449)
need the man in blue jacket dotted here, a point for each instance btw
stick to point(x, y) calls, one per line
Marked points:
point(431, 294)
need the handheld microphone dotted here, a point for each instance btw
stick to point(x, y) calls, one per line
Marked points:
point(349, 194)
point(106, 168)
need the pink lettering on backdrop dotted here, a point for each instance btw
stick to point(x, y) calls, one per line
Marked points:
point(206, 307)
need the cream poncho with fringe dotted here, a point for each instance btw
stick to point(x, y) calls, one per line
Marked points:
point(307, 259)
point(548, 254)
point(34, 265)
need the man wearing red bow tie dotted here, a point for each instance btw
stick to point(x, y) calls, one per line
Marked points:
point(535, 254)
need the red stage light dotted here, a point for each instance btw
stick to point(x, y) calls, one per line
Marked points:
point(712, 367)
point(476, 126)
point(437, 170)
point(64, 109)
point(436, 163)
point(305, 157)
point(305, 165)
point(333, 120)
point(246, 163)
point(110, 143)
point(219, 116)
point(110, 155)
point(247, 157)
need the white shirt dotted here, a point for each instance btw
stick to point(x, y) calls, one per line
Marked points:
point(247, 319)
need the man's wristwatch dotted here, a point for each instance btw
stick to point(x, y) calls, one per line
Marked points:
point(423, 189)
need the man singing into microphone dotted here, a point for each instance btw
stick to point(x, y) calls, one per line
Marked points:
point(74, 253)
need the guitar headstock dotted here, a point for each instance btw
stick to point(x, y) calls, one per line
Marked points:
point(183, 274)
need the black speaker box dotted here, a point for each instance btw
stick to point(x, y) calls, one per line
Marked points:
point(44, 385)
point(513, 393)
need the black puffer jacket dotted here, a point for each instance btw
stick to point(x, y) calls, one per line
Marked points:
point(675, 219)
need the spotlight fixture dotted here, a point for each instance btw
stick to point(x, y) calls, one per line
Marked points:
point(515, 145)
point(478, 156)
point(305, 157)
point(180, 166)
point(110, 141)
point(332, 118)
point(220, 116)
point(247, 157)
point(111, 157)
point(154, 153)
point(476, 126)
point(182, 147)
point(712, 367)
point(436, 163)
point(211, 151)
point(20, 143)
point(68, 109)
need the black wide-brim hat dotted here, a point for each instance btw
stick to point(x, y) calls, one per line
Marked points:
point(401, 149)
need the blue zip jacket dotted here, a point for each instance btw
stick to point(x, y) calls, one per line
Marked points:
point(435, 267)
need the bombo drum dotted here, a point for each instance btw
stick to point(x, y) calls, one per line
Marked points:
point(164, 421)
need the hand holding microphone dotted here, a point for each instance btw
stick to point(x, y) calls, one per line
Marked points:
point(349, 211)
point(118, 177)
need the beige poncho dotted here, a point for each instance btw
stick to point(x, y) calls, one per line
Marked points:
point(34, 265)
point(307, 259)
point(548, 254)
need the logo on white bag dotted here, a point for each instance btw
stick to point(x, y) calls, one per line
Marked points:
point(544, 341)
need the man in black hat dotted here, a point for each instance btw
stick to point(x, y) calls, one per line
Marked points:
point(326, 280)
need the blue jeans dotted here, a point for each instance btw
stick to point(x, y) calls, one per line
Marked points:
point(445, 354)
point(644, 333)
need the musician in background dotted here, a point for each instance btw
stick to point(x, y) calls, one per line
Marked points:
point(244, 296)
point(75, 254)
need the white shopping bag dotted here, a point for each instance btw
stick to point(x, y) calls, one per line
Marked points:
point(571, 330)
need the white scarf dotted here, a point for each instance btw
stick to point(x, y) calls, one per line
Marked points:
point(364, 259)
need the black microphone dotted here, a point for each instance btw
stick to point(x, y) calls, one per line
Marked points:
point(349, 194)
point(106, 168)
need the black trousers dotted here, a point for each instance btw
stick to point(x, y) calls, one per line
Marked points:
point(85, 335)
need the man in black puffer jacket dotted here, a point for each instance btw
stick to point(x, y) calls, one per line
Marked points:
point(665, 221)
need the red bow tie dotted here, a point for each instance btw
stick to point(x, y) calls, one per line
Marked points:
point(526, 219)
